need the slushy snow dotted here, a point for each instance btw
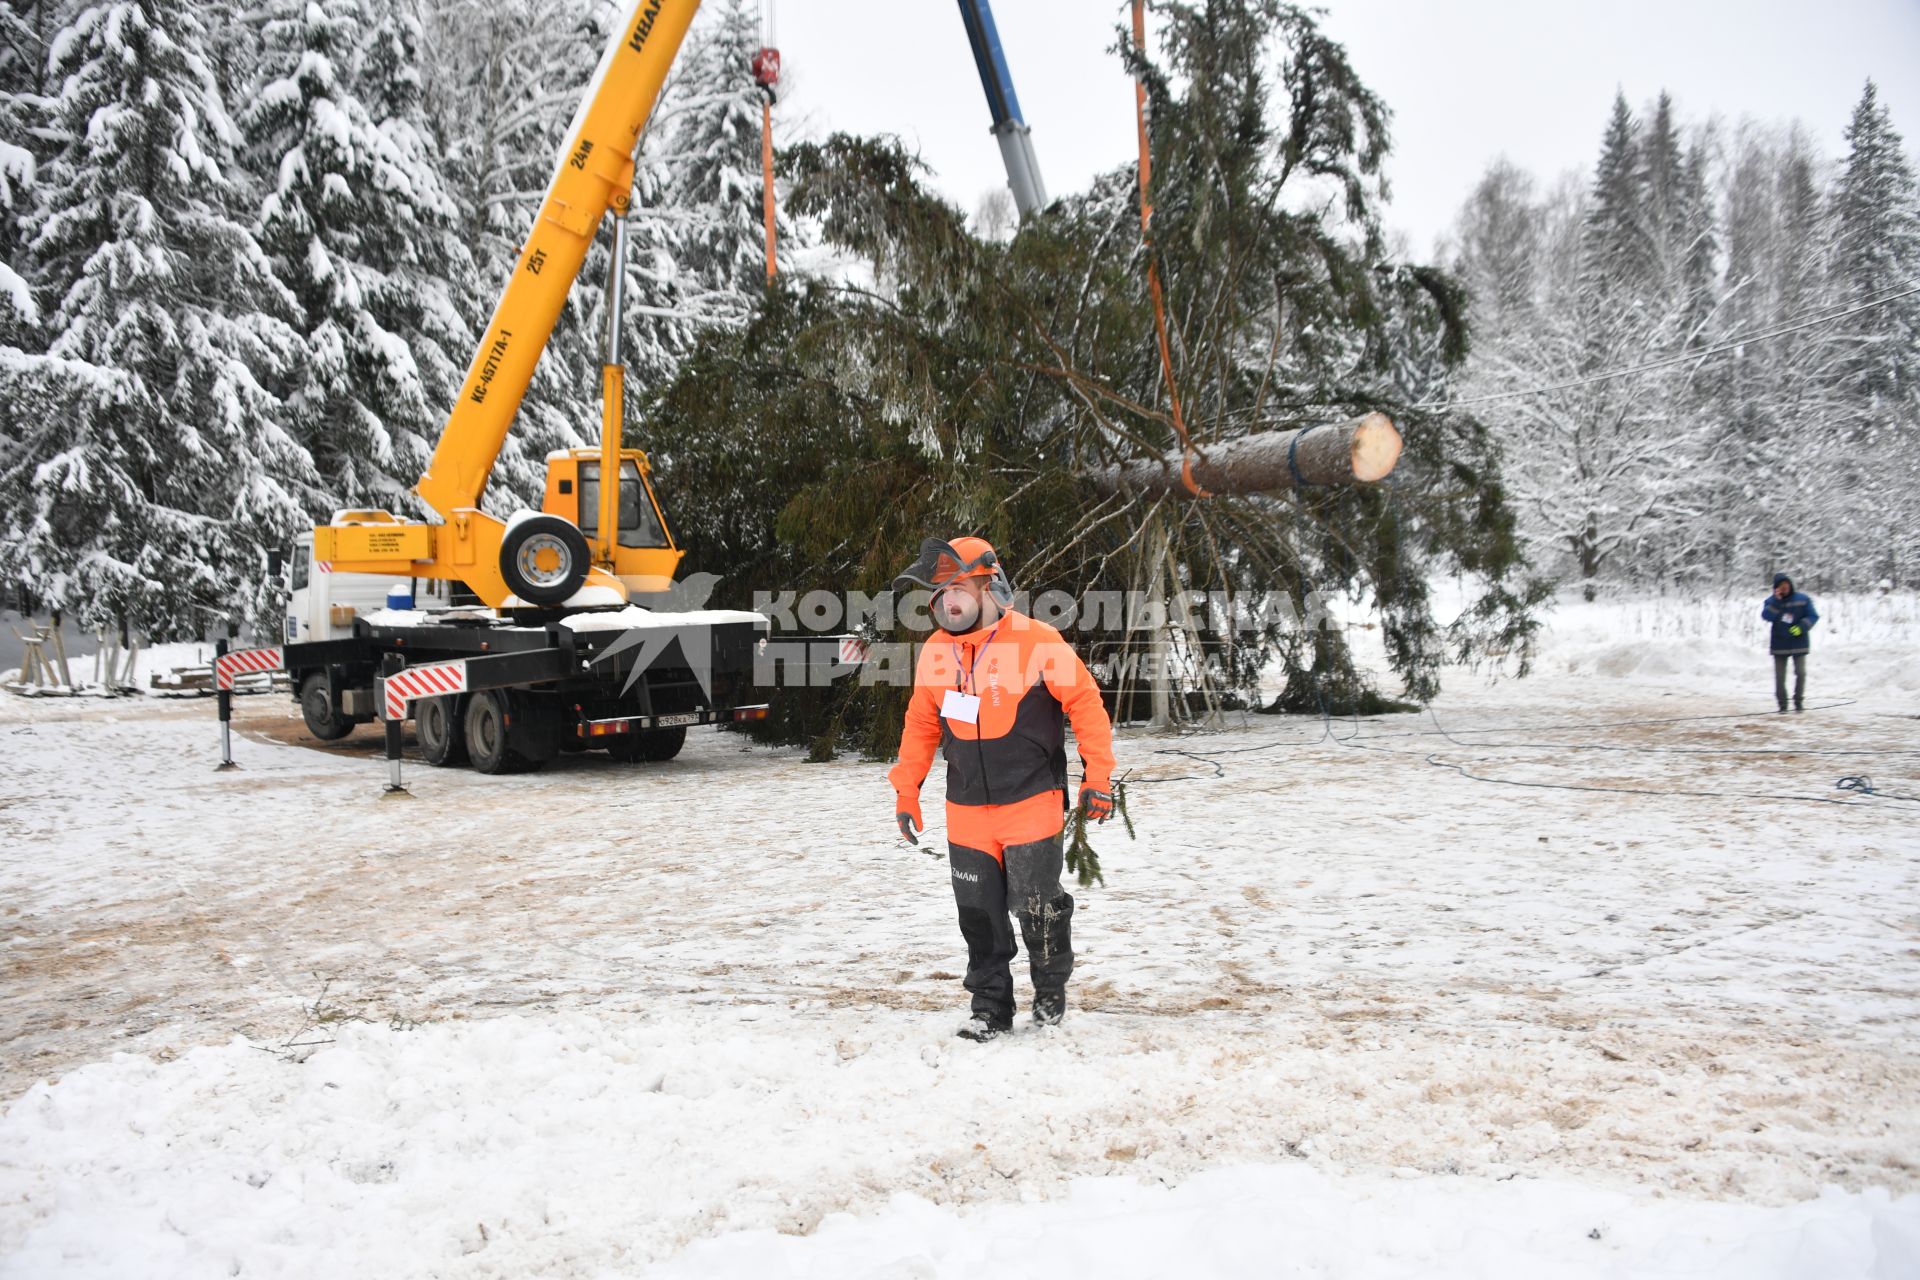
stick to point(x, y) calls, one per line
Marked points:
point(1363, 1000)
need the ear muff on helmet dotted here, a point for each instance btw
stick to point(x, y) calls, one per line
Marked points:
point(999, 587)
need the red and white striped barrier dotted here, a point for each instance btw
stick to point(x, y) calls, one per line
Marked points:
point(853, 651)
point(429, 681)
point(244, 662)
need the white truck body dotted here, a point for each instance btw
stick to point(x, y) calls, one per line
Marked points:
point(321, 604)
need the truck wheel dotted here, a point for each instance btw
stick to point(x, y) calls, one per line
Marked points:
point(489, 733)
point(324, 720)
point(512, 732)
point(442, 730)
point(544, 560)
point(652, 747)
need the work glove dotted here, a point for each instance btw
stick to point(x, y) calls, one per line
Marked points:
point(907, 816)
point(1793, 631)
point(1096, 803)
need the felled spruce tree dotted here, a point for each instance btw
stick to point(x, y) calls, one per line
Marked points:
point(975, 386)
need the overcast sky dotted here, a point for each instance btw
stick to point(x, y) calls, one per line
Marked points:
point(1466, 79)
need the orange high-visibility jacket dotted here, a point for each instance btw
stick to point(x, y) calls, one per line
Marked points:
point(1025, 676)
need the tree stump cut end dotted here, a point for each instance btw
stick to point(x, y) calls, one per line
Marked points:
point(1376, 447)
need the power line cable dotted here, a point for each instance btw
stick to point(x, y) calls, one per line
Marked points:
point(1861, 783)
point(1731, 344)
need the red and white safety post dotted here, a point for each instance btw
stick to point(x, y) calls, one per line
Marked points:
point(401, 685)
point(227, 668)
point(414, 683)
point(390, 668)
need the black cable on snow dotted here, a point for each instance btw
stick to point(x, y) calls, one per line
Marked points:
point(1855, 785)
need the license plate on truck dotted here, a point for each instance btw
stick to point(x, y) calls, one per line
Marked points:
point(685, 717)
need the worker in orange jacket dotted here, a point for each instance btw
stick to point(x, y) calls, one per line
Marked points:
point(993, 690)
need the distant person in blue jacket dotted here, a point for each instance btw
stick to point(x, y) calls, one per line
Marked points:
point(1792, 615)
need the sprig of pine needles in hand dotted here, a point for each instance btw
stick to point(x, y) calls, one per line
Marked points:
point(1082, 861)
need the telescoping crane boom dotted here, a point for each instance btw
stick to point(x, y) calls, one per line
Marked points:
point(1009, 125)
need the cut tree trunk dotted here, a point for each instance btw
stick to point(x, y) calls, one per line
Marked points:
point(1356, 452)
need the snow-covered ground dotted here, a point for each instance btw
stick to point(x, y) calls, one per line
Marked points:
point(1353, 1004)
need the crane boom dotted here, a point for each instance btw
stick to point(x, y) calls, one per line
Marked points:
point(1009, 125)
point(592, 175)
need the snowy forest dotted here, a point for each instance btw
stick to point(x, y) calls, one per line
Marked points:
point(1765, 296)
point(248, 248)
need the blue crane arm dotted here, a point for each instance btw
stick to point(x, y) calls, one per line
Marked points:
point(991, 60)
point(1009, 126)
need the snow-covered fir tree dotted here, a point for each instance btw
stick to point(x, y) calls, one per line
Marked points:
point(1618, 254)
point(424, 292)
point(1877, 253)
point(696, 235)
point(26, 30)
point(1616, 461)
point(149, 486)
point(1678, 470)
point(1876, 258)
point(352, 220)
point(695, 252)
point(503, 96)
point(24, 385)
point(714, 157)
point(503, 83)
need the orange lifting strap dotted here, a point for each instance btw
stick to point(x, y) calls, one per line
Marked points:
point(766, 74)
point(1153, 269)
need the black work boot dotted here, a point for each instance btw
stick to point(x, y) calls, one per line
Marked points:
point(1049, 1007)
point(980, 1028)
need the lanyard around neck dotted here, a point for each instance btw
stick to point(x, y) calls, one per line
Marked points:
point(973, 668)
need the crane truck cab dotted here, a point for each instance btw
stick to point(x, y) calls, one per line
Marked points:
point(322, 604)
point(645, 558)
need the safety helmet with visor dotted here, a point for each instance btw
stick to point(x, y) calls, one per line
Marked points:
point(942, 564)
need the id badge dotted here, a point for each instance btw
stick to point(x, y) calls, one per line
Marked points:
point(962, 708)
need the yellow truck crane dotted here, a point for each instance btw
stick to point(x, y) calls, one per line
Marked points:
point(534, 639)
point(531, 639)
point(544, 560)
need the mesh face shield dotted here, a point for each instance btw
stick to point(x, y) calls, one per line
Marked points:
point(939, 565)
